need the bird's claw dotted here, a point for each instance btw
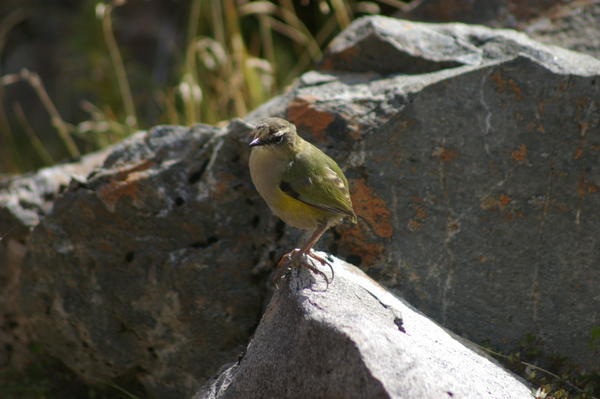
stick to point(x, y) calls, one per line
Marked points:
point(299, 257)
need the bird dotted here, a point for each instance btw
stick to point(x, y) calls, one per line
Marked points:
point(301, 185)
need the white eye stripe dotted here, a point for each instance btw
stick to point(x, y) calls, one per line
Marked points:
point(281, 132)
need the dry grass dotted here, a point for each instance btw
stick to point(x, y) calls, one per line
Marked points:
point(237, 55)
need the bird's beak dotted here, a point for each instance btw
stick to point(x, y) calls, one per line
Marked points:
point(255, 142)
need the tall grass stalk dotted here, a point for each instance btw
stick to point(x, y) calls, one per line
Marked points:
point(7, 160)
point(62, 128)
point(104, 11)
point(36, 143)
point(237, 54)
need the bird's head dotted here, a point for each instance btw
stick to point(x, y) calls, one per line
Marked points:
point(273, 132)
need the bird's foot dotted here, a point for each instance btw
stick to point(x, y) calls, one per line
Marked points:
point(284, 265)
point(289, 257)
point(303, 259)
point(323, 261)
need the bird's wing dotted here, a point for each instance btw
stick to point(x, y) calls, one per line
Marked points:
point(315, 179)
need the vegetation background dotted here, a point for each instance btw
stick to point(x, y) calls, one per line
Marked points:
point(77, 75)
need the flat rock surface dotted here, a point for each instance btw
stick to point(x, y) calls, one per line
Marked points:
point(353, 339)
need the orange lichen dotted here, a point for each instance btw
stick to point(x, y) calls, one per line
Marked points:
point(371, 208)
point(302, 112)
point(582, 103)
point(445, 154)
point(584, 187)
point(500, 82)
point(344, 56)
point(561, 206)
point(139, 167)
point(533, 127)
point(420, 215)
point(511, 215)
point(488, 202)
point(420, 212)
point(414, 225)
point(373, 211)
point(520, 154)
point(452, 226)
point(502, 205)
point(583, 128)
point(327, 64)
point(541, 108)
point(504, 200)
point(550, 205)
point(356, 241)
point(112, 192)
point(124, 184)
point(579, 152)
point(516, 89)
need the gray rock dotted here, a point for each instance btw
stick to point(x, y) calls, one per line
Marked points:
point(145, 268)
point(353, 339)
point(495, 13)
point(420, 48)
point(574, 26)
point(569, 24)
point(24, 200)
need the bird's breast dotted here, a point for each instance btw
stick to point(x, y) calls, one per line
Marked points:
point(266, 171)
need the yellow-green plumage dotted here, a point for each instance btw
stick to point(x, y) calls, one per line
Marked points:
point(300, 183)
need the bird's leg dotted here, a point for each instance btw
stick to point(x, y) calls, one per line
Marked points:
point(286, 258)
point(307, 250)
point(281, 265)
point(295, 254)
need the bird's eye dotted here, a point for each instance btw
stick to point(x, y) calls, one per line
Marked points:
point(275, 139)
